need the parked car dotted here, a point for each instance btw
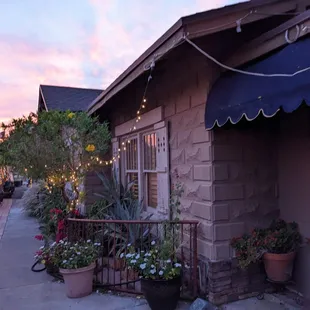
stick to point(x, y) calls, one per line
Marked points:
point(8, 189)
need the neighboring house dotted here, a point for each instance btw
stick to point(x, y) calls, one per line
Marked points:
point(236, 176)
point(63, 98)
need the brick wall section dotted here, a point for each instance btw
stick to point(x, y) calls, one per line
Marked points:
point(227, 283)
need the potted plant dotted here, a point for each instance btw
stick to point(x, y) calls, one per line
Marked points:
point(281, 243)
point(160, 274)
point(76, 263)
point(276, 245)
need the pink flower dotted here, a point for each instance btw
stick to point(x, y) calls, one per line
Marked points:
point(39, 237)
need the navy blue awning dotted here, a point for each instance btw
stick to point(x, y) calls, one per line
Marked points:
point(237, 95)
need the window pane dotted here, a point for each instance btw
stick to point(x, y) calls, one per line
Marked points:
point(133, 178)
point(149, 147)
point(132, 155)
point(152, 189)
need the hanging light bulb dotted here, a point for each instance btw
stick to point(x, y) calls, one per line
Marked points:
point(238, 28)
point(143, 106)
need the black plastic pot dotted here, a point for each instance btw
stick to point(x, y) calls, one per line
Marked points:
point(161, 294)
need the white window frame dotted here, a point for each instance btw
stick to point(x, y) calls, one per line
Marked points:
point(151, 122)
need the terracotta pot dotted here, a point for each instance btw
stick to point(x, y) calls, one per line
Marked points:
point(78, 282)
point(116, 264)
point(279, 267)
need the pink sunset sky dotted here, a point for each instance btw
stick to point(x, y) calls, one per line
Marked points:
point(79, 43)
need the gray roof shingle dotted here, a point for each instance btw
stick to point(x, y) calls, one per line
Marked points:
point(64, 98)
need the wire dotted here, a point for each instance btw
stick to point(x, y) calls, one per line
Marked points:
point(227, 24)
point(238, 21)
point(242, 71)
point(278, 14)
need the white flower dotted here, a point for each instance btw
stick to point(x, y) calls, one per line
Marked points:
point(152, 271)
point(88, 241)
point(71, 248)
point(42, 247)
point(129, 244)
point(98, 243)
point(86, 247)
point(122, 255)
point(66, 243)
point(177, 265)
point(71, 258)
point(61, 241)
point(153, 242)
point(152, 266)
point(145, 259)
point(128, 255)
point(137, 256)
point(168, 260)
point(53, 244)
point(147, 255)
point(78, 253)
point(161, 273)
point(133, 261)
point(143, 266)
point(64, 261)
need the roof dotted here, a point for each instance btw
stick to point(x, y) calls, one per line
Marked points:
point(194, 26)
point(65, 98)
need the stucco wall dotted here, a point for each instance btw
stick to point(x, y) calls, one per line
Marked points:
point(294, 180)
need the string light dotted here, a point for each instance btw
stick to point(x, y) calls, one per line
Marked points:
point(72, 177)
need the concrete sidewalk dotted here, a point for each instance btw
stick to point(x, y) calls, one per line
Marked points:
point(22, 289)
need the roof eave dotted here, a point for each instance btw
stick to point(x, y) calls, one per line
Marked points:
point(193, 26)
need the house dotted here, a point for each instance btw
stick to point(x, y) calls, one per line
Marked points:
point(239, 143)
point(65, 98)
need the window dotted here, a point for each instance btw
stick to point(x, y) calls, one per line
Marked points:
point(149, 169)
point(140, 167)
point(131, 166)
point(145, 161)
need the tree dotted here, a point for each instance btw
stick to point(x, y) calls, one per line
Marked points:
point(58, 147)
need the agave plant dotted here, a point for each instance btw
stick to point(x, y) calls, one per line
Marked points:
point(123, 206)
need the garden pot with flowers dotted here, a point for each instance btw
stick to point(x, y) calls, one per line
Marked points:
point(76, 263)
point(160, 275)
point(276, 245)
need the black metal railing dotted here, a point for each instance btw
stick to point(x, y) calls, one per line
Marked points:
point(114, 235)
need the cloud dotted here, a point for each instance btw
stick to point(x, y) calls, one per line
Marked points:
point(91, 51)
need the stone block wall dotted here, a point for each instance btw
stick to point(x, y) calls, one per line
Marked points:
point(244, 183)
point(229, 176)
